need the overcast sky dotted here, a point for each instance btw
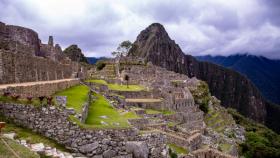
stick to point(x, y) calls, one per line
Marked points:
point(199, 27)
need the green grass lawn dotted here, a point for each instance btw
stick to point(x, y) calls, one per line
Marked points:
point(118, 87)
point(21, 150)
point(101, 107)
point(76, 96)
point(164, 112)
point(178, 149)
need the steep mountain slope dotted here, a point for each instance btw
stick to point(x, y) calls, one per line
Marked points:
point(75, 54)
point(263, 72)
point(234, 90)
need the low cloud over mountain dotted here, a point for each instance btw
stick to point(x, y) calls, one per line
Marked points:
point(200, 27)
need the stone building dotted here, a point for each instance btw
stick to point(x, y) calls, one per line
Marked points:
point(23, 58)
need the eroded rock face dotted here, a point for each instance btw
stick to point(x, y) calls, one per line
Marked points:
point(234, 90)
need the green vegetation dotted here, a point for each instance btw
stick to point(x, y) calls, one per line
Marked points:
point(177, 149)
point(164, 112)
point(76, 96)
point(100, 65)
point(224, 147)
point(202, 96)
point(218, 119)
point(33, 101)
point(260, 141)
point(118, 87)
point(101, 110)
point(21, 150)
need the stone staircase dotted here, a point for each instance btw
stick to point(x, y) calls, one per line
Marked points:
point(108, 73)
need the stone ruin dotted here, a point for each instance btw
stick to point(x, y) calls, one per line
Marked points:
point(23, 58)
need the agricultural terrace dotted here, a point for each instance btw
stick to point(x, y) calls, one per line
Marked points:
point(119, 87)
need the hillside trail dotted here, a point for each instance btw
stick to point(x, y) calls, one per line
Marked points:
point(4, 86)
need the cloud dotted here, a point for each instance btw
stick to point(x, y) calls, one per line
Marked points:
point(200, 27)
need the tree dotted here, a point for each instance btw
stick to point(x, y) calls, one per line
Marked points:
point(126, 78)
point(122, 49)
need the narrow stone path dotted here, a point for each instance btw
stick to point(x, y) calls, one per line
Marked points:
point(4, 86)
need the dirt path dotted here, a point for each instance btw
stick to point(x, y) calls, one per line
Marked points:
point(4, 86)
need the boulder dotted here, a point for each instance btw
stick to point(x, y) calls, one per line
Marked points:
point(88, 147)
point(138, 149)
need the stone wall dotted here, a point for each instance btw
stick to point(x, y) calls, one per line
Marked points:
point(44, 89)
point(84, 114)
point(19, 40)
point(207, 153)
point(54, 123)
point(147, 105)
point(17, 68)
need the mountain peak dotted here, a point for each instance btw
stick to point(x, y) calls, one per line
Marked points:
point(154, 43)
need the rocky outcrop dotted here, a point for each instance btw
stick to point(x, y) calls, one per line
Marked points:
point(75, 54)
point(234, 90)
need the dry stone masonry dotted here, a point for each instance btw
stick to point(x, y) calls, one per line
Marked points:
point(54, 123)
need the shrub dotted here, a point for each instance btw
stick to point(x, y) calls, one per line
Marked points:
point(172, 154)
point(49, 100)
point(15, 97)
point(41, 98)
point(29, 99)
point(6, 94)
point(100, 65)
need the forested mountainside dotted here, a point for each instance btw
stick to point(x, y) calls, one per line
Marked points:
point(263, 72)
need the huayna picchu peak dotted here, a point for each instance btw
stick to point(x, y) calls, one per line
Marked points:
point(153, 44)
point(147, 99)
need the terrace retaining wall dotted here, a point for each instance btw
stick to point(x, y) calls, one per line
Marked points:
point(54, 123)
point(44, 89)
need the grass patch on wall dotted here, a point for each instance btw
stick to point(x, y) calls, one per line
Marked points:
point(21, 150)
point(118, 87)
point(29, 135)
point(164, 112)
point(177, 149)
point(76, 96)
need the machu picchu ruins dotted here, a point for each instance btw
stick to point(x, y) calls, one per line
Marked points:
point(147, 99)
point(127, 108)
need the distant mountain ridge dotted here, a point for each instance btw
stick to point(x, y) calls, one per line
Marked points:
point(93, 60)
point(263, 72)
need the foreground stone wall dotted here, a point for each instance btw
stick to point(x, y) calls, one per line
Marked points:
point(17, 68)
point(36, 90)
point(54, 124)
